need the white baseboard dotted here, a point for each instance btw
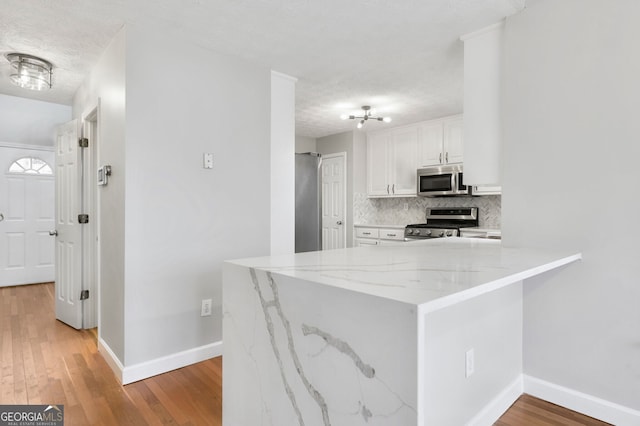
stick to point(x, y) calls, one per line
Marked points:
point(112, 360)
point(583, 403)
point(160, 365)
point(501, 403)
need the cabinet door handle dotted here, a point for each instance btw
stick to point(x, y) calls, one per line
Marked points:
point(393, 188)
point(366, 233)
point(446, 157)
point(391, 235)
point(440, 158)
point(387, 189)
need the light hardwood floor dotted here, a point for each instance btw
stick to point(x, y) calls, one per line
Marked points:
point(46, 362)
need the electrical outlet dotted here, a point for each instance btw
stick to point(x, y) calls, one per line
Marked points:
point(470, 363)
point(205, 310)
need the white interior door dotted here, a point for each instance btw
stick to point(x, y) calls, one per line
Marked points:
point(334, 186)
point(68, 253)
point(26, 216)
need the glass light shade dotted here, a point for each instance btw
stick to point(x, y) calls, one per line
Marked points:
point(387, 119)
point(30, 72)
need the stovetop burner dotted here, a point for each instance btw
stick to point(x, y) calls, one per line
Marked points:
point(443, 222)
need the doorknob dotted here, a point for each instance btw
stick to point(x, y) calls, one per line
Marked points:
point(1, 217)
point(339, 222)
point(53, 233)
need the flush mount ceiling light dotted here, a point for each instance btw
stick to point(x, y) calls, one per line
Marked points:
point(30, 72)
point(368, 115)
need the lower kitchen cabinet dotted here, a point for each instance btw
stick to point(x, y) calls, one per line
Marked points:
point(374, 235)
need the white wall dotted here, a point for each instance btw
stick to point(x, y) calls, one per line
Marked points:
point(106, 85)
point(305, 144)
point(283, 173)
point(342, 142)
point(29, 122)
point(571, 103)
point(183, 221)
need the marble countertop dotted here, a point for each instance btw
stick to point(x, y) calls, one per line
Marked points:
point(360, 225)
point(430, 274)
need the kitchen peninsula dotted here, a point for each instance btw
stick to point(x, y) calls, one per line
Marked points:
point(423, 333)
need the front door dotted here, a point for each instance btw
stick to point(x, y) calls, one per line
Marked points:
point(68, 250)
point(333, 201)
point(26, 216)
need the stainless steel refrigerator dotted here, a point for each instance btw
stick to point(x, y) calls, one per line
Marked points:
point(308, 202)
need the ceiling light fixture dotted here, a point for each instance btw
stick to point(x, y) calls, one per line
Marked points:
point(30, 72)
point(368, 115)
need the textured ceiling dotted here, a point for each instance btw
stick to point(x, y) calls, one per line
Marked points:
point(403, 57)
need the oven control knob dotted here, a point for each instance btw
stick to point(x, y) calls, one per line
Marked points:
point(409, 231)
point(428, 232)
point(441, 234)
point(449, 233)
point(417, 232)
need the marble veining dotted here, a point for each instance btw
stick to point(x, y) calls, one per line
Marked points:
point(352, 337)
point(317, 396)
point(342, 346)
point(281, 337)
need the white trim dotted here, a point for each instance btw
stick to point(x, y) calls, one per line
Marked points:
point(171, 362)
point(498, 405)
point(581, 402)
point(345, 185)
point(112, 360)
point(481, 31)
point(23, 146)
point(157, 366)
point(90, 240)
point(283, 76)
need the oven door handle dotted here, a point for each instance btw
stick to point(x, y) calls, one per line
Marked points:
point(454, 182)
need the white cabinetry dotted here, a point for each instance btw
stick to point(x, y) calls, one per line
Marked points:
point(373, 236)
point(440, 141)
point(482, 106)
point(486, 190)
point(391, 162)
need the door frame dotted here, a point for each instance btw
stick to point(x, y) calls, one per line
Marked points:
point(91, 205)
point(345, 185)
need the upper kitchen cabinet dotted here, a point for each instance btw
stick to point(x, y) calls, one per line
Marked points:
point(482, 123)
point(440, 141)
point(391, 162)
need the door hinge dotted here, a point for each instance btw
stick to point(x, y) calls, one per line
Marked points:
point(83, 218)
point(83, 142)
point(84, 294)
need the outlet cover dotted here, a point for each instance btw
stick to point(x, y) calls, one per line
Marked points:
point(205, 310)
point(470, 363)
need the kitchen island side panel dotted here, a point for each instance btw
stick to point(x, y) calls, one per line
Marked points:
point(298, 353)
point(488, 330)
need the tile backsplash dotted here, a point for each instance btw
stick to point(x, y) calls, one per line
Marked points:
point(390, 211)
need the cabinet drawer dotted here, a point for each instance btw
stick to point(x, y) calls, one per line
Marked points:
point(392, 234)
point(367, 232)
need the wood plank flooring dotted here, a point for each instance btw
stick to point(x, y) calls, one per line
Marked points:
point(44, 361)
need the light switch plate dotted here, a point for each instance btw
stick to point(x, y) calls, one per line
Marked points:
point(207, 160)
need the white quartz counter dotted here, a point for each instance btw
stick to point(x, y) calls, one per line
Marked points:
point(368, 225)
point(431, 274)
point(377, 336)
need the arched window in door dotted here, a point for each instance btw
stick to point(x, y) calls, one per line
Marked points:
point(30, 166)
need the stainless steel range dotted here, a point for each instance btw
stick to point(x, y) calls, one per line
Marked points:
point(443, 222)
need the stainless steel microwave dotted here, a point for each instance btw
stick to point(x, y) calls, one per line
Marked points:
point(442, 181)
